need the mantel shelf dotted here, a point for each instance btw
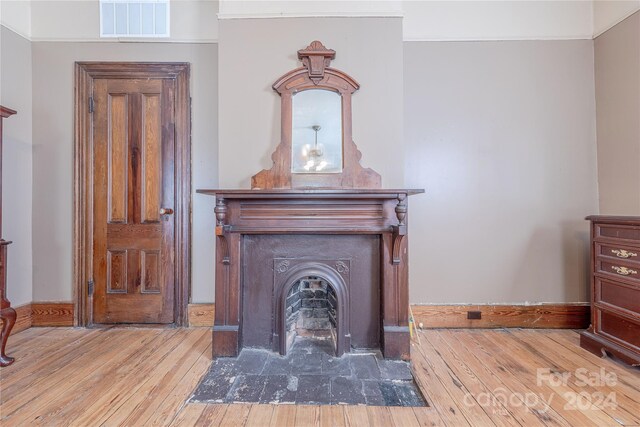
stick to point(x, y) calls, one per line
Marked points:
point(319, 193)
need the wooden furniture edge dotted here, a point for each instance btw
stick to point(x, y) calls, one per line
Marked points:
point(538, 316)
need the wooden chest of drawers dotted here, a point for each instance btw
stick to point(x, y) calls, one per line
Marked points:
point(615, 288)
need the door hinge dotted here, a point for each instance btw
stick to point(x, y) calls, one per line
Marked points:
point(91, 104)
point(90, 287)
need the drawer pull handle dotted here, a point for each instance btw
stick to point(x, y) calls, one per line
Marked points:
point(623, 270)
point(621, 253)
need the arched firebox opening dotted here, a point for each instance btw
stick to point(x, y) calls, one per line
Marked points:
point(312, 301)
point(311, 313)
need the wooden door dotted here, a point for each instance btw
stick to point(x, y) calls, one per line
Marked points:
point(134, 199)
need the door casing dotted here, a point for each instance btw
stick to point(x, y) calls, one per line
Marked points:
point(85, 74)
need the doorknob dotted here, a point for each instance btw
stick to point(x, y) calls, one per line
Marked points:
point(166, 211)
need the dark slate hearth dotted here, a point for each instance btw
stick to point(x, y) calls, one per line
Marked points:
point(347, 390)
point(247, 388)
point(310, 374)
point(314, 390)
point(280, 389)
point(365, 366)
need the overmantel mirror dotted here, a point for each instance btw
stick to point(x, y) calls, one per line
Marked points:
point(316, 148)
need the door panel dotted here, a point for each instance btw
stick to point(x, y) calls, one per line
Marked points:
point(133, 255)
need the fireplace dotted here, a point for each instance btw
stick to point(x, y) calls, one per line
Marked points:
point(276, 264)
point(353, 243)
point(311, 310)
point(316, 247)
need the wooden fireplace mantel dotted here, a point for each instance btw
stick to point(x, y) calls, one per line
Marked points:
point(381, 193)
point(304, 213)
point(357, 218)
point(305, 221)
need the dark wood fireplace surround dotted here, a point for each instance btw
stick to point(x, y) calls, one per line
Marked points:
point(341, 227)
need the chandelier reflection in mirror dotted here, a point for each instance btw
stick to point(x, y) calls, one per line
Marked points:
point(317, 132)
point(314, 154)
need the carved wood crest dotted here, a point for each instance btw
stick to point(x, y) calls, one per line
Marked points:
point(316, 74)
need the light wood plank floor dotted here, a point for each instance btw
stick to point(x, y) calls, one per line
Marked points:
point(136, 377)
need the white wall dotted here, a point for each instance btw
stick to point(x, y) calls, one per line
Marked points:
point(15, 93)
point(195, 20)
point(526, 109)
point(79, 20)
point(617, 65)
point(233, 9)
point(607, 13)
point(502, 136)
point(443, 20)
point(16, 15)
point(497, 20)
point(369, 49)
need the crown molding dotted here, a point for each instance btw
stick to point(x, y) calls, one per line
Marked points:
point(123, 40)
point(494, 39)
point(225, 16)
point(616, 22)
point(251, 9)
point(13, 30)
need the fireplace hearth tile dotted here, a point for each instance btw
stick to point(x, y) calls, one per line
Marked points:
point(407, 394)
point(280, 389)
point(307, 345)
point(215, 386)
point(247, 388)
point(365, 367)
point(347, 390)
point(309, 364)
point(314, 376)
point(336, 366)
point(394, 370)
point(314, 390)
point(277, 365)
point(372, 393)
point(389, 394)
point(252, 361)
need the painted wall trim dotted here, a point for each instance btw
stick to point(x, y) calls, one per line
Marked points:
point(215, 41)
point(614, 23)
point(536, 316)
point(496, 39)
point(106, 40)
point(223, 16)
point(18, 32)
point(122, 40)
point(293, 16)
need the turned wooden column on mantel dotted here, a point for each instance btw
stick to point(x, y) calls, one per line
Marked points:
point(7, 314)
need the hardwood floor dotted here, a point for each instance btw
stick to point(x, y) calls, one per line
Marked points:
point(135, 377)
